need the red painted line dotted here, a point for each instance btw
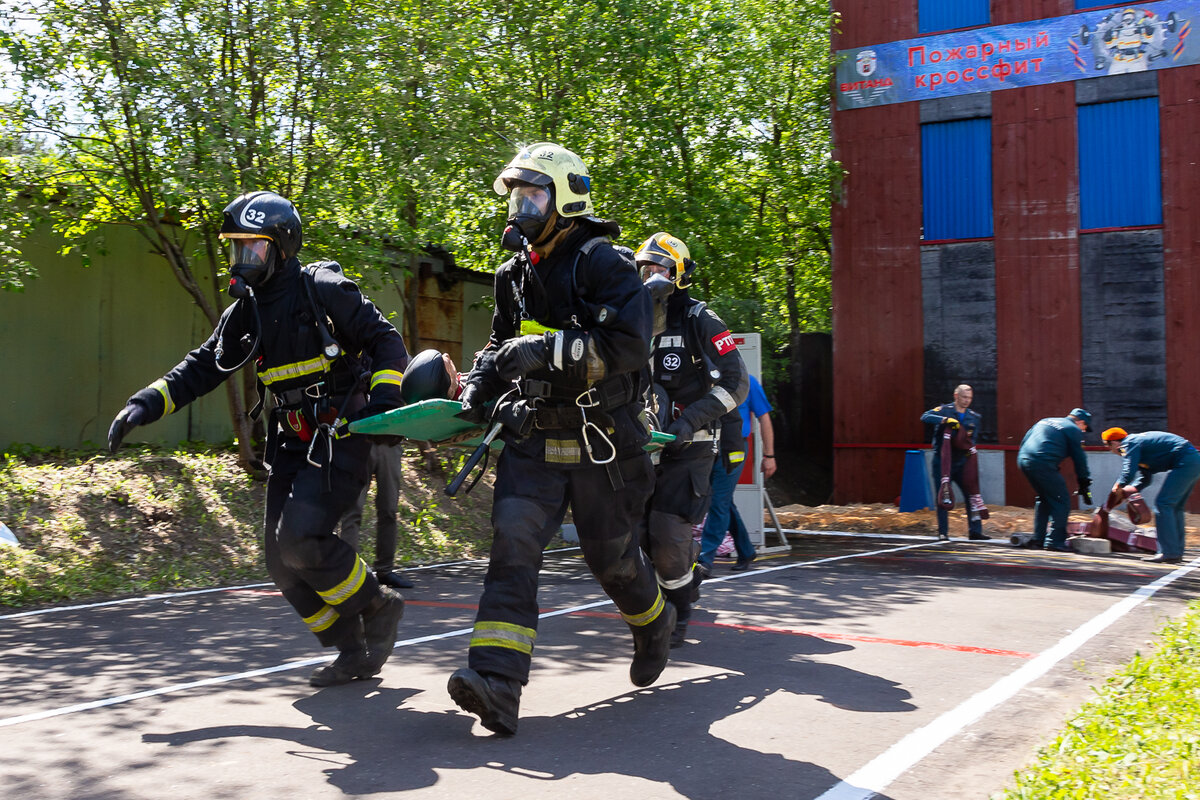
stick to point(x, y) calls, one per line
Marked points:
point(843, 637)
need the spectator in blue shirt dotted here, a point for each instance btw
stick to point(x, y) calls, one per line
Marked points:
point(1144, 454)
point(723, 515)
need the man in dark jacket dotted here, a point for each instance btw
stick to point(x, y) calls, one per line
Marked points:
point(570, 338)
point(1044, 447)
point(702, 377)
point(1142, 455)
point(302, 325)
point(958, 424)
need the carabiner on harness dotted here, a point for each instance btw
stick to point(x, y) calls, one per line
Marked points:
point(324, 432)
point(585, 401)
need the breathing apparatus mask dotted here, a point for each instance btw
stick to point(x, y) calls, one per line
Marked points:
point(252, 263)
point(531, 216)
point(661, 288)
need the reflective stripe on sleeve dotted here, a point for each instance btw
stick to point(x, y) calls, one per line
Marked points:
point(390, 376)
point(160, 386)
point(725, 397)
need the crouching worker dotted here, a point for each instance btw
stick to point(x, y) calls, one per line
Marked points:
point(1142, 455)
point(702, 377)
point(570, 337)
point(301, 324)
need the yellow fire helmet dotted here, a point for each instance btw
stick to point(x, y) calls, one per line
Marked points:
point(546, 164)
point(667, 251)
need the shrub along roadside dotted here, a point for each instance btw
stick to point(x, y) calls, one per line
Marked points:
point(1139, 739)
point(148, 519)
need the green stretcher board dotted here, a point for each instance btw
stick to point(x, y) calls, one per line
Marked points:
point(435, 421)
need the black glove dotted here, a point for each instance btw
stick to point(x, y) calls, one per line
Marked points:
point(1085, 490)
point(473, 407)
point(520, 356)
point(129, 417)
point(683, 431)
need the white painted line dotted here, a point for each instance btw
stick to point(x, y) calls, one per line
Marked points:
point(172, 595)
point(924, 537)
point(764, 569)
point(876, 776)
point(180, 687)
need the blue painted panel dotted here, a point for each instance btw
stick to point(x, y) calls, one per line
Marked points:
point(956, 179)
point(946, 15)
point(1120, 173)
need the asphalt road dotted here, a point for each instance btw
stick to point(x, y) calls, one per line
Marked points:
point(852, 667)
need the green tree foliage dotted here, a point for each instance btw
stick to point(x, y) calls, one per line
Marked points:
point(387, 121)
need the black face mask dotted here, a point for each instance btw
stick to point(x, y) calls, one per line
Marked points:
point(514, 238)
point(253, 264)
point(661, 289)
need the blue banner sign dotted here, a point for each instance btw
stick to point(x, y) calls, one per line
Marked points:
point(1090, 44)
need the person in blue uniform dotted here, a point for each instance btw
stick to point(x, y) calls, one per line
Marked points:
point(956, 415)
point(1044, 447)
point(305, 328)
point(1142, 455)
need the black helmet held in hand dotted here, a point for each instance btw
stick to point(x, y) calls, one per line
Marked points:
point(427, 377)
point(263, 230)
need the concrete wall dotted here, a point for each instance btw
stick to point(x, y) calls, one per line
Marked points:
point(80, 340)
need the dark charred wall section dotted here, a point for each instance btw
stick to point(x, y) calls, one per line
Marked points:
point(958, 301)
point(1124, 343)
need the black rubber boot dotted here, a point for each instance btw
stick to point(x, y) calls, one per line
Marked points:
point(652, 647)
point(493, 698)
point(351, 664)
point(681, 598)
point(380, 620)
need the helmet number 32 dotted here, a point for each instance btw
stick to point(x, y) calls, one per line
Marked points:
point(252, 217)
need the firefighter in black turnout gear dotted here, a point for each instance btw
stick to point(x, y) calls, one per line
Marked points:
point(699, 376)
point(306, 328)
point(570, 338)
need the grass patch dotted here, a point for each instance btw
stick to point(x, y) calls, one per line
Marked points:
point(95, 525)
point(1139, 739)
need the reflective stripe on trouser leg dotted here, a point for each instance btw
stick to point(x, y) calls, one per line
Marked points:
point(313, 568)
point(322, 620)
point(529, 502)
point(504, 634)
point(671, 548)
point(649, 615)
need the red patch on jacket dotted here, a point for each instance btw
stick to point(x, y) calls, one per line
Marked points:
point(724, 343)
